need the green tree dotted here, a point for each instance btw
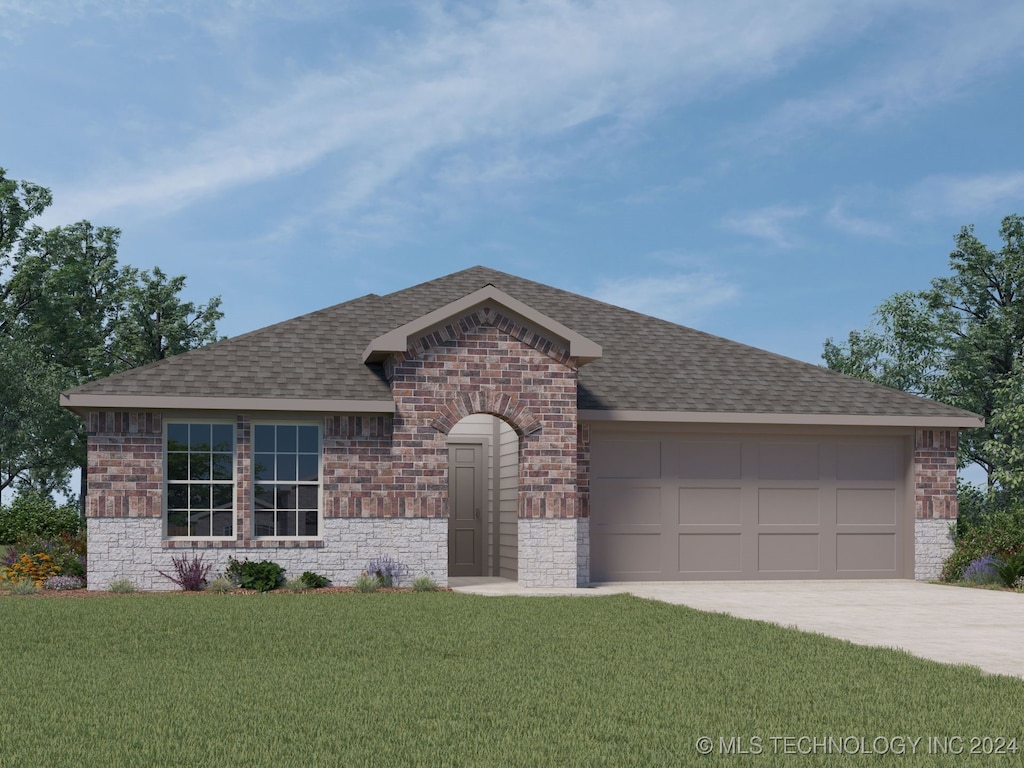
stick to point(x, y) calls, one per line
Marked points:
point(899, 350)
point(960, 342)
point(69, 313)
point(39, 440)
point(153, 322)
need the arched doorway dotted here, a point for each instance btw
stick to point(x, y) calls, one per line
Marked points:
point(483, 497)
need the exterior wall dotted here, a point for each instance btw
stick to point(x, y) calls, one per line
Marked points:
point(935, 474)
point(485, 363)
point(508, 503)
point(385, 478)
point(358, 467)
point(130, 548)
point(933, 543)
point(125, 465)
point(582, 551)
point(548, 552)
point(935, 499)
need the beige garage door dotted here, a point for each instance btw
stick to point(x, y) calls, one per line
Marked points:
point(671, 507)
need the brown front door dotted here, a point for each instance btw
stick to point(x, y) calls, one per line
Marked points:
point(466, 518)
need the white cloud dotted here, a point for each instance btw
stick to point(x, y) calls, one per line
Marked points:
point(462, 83)
point(838, 218)
point(964, 196)
point(681, 297)
point(944, 53)
point(770, 223)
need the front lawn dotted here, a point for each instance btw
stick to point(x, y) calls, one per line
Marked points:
point(447, 679)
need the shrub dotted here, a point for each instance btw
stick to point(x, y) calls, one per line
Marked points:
point(1010, 568)
point(367, 583)
point(65, 550)
point(262, 575)
point(424, 584)
point(24, 587)
point(33, 513)
point(122, 586)
point(294, 585)
point(38, 568)
point(234, 570)
point(221, 585)
point(61, 583)
point(387, 571)
point(189, 574)
point(314, 580)
point(997, 533)
point(982, 571)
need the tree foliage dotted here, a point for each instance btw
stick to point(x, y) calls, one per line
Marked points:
point(70, 313)
point(960, 342)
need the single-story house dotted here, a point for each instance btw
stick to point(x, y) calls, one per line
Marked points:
point(483, 424)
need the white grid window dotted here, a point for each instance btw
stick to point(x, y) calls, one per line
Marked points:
point(286, 479)
point(200, 479)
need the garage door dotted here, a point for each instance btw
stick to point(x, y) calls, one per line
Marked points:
point(670, 507)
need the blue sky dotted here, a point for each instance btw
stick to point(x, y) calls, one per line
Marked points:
point(768, 172)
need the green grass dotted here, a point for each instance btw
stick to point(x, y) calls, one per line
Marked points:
point(398, 679)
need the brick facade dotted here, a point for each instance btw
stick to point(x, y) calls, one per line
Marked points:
point(484, 362)
point(935, 474)
point(583, 468)
point(125, 464)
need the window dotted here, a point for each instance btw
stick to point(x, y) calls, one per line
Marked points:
point(286, 476)
point(200, 479)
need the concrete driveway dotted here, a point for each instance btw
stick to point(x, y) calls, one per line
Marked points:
point(953, 625)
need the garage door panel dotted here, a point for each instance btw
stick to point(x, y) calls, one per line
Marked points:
point(872, 460)
point(866, 552)
point(627, 505)
point(789, 461)
point(710, 506)
point(862, 506)
point(788, 552)
point(788, 506)
point(748, 506)
point(710, 553)
point(710, 460)
point(627, 555)
point(637, 459)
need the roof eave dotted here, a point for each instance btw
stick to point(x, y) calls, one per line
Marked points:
point(80, 402)
point(398, 340)
point(967, 421)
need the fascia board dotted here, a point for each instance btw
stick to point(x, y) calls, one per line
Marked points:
point(398, 339)
point(825, 419)
point(82, 401)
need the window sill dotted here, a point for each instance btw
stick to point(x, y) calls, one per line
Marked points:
point(285, 543)
point(242, 544)
point(224, 543)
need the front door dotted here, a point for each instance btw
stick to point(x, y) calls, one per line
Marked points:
point(465, 514)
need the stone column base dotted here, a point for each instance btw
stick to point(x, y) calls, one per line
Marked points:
point(932, 545)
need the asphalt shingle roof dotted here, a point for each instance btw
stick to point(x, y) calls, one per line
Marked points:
point(648, 364)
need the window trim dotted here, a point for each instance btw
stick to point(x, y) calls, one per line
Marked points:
point(286, 422)
point(234, 479)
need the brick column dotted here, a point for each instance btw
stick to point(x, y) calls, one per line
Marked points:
point(935, 499)
point(935, 474)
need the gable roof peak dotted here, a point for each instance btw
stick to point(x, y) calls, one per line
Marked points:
point(399, 339)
